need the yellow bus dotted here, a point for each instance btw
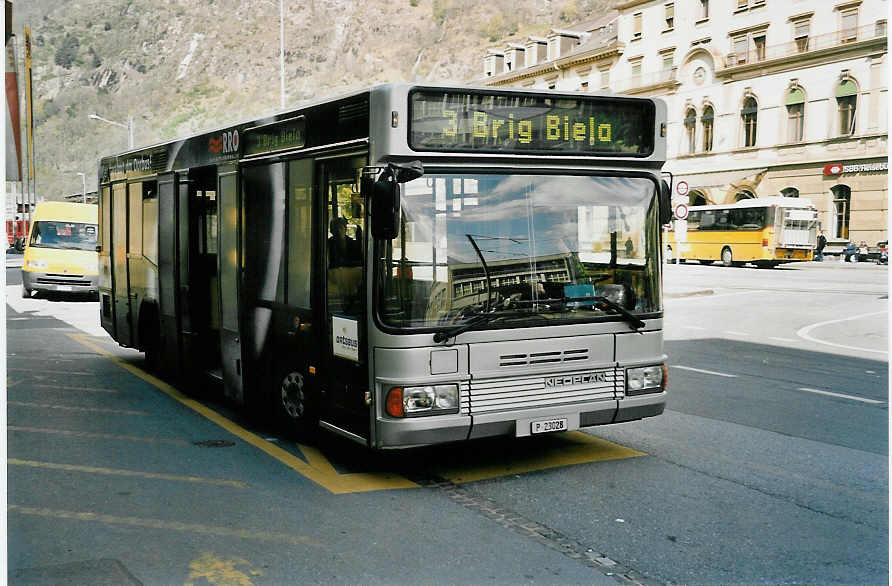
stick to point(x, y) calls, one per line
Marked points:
point(60, 253)
point(765, 231)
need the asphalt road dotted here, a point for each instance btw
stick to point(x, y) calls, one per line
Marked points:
point(770, 464)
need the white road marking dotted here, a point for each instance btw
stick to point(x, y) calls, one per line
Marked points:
point(840, 395)
point(804, 333)
point(703, 371)
point(694, 328)
point(782, 339)
point(736, 333)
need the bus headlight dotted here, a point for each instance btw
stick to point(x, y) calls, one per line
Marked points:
point(418, 401)
point(37, 264)
point(646, 379)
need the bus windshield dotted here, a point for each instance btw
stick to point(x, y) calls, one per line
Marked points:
point(523, 250)
point(66, 235)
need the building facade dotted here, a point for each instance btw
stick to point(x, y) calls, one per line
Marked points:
point(765, 97)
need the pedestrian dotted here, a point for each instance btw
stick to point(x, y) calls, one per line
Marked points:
point(819, 251)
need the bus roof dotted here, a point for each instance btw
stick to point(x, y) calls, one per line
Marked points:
point(761, 202)
point(86, 213)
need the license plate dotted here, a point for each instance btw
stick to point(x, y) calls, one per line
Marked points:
point(65, 288)
point(549, 425)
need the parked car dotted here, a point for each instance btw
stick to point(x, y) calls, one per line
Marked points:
point(883, 257)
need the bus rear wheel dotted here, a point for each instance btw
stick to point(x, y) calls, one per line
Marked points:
point(727, 257)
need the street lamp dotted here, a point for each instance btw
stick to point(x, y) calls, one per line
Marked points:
point(84, 177)
point(128, 126)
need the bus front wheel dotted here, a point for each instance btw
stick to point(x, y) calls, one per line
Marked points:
point(26, 293)
point(727, 257)
point(290, 403)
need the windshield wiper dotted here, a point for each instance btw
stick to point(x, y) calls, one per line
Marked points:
point(634, 322)
point(479, 319)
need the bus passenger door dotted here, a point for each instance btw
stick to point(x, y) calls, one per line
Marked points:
point(229, 263)
point(345, 379)
point(119, 265)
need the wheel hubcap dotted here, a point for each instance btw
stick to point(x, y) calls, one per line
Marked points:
point(292, 392)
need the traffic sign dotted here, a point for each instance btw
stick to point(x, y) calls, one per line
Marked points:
point(682, 188)
point(681, 211)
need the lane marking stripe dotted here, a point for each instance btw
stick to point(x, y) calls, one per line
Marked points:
point(736, 333)
point(90, 434)
point(165, 525)
point(703, 371)
point(132, 473)
point(841, 396)
point(782, 339)
point(326, 477)
point(65, 388)
point(68, 408)
point(44, 371)
point(804, 333)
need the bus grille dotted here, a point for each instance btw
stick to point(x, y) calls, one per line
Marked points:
point(537, 358)
point(505, 394)
point(76, 280)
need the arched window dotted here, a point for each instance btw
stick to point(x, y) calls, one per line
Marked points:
point(690, 130)
point(748, 118)
point(696, 198)
point(706, 120)
point(795, 115)
point(842, 197)
point(744, 194)
point(846, 101)
point(790, 192)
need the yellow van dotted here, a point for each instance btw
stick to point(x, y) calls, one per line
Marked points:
point(60, 253)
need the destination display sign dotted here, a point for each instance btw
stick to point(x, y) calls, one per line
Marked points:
point(278, 136)
point(474, 121)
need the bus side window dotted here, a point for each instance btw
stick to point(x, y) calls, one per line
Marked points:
point(300, 232)
point(694, 220)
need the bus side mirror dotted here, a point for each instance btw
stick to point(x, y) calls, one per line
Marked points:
point(665, 202)
point(383, 195)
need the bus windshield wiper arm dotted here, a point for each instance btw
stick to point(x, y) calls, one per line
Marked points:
point(634, 322)
point(479, 319)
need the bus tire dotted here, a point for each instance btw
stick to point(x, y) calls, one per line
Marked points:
point(290, 403)
point(26, 293)
point(727, 257)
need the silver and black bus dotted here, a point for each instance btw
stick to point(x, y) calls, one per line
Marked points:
point(405, 265)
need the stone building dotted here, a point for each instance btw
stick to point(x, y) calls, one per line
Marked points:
point(765, 97)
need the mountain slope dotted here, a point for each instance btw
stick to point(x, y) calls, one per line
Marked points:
point(178, 66)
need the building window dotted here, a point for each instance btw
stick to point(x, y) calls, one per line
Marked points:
point(707, 121)
point(795, 115)
point(696, 198)
point(668, 60)
point(790, 192)
point(741, 4)
point(690, 130)
point(846, 102)
point(583, 87)
point(842, 196)
point(605, 78)
point(881, 28)
point(669, 11)
point(636, 68)
point(704, 10)
point(759, 47)
point(636, 25)
point(748, 117)
point(744, 194)
point(849, 26)
point(739, 44)
point(801, 31)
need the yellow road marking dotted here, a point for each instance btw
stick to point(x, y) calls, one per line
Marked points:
point(565, 449)
point(70, 408)
point(326, 476)
point(132, 438)
point(135, 473)
point(221, 571)
point(163, 524)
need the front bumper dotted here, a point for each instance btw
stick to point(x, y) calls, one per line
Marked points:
point(421, 431)
point(60, 282)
